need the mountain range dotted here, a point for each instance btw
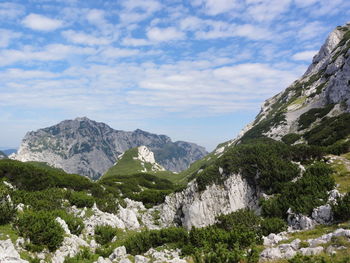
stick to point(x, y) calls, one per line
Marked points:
point(90, 148)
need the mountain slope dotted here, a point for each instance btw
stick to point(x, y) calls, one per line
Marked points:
point(322, 92)
point(90, 148)
point(311, 118)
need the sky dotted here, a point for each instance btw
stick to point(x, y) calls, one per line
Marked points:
point(194, 70)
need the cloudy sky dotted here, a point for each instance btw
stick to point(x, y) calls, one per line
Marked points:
point(196, 70)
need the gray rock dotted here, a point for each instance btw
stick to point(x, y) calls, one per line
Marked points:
point(323, 214)
point(8, 253)
point(141, 259)
point(90, 148)
point(300, 222)
point(310, 251)
point(199, 209)
point(119, 252)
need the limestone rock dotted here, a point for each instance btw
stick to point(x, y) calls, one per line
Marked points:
point(141, 259)
point(199, 209)
point(119, 252)
point(8, 253)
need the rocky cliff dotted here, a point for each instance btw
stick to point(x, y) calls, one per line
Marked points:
point(90, 148)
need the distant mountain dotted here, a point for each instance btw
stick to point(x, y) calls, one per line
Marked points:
point(2, 155)
point(8, 152)
point(90, 148)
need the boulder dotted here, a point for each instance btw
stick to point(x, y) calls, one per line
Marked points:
point(8, 253)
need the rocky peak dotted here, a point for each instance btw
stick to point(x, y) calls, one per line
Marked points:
point(90, 148)
point(325, 85)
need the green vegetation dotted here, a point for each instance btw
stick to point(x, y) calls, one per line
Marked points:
point(80, 199)
point(149, 189)
point(303, 195)
point(84, 256)
point(291, 138)
point(7, 209)
point(329, 131)
point(266, 157)
point(104, 234)
point(309, 117)
point(224, 240)
point(273, 225)
point(34, 178)
point(42, 230)
point(342, 209)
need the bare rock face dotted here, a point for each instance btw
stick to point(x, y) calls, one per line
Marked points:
point(192, 208)
point(90, 148)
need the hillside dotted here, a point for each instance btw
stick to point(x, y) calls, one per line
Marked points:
point(90, 148)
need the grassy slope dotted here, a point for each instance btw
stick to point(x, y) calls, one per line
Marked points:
point(341, 165)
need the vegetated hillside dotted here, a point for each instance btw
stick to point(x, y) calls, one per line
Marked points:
point(90, 148)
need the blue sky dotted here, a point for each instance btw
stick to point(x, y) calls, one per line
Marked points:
point(194, 70)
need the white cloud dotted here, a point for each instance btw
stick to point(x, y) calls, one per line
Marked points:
point(53, 52)
point(266, 11)
point(136, 42)
point(10, 10)
point(138, 10)
point(6, 36)
point(311, 30)
point(118, 52)
point(85, 39)
point(305, 55)
point(164, 34)
point(215, 7)
point(41, 23)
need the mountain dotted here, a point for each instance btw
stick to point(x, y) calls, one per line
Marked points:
point(90, 148)
point(8, 152)
point(319, 98)
point(135, 160)
point(2, 155)
point(306, 122)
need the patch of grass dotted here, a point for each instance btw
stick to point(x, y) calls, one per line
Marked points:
point(7, 231)
point(341, 176)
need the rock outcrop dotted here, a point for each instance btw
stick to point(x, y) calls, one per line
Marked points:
point(313, 246)
point(89, 148)
point(193, 208)
point(8, 253)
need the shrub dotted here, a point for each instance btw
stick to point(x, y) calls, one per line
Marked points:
point(84, 255)
point(48, 199)
point(303, 195)
point(290, 138)
point(104, 234)
point(7, 209)
point(307, 118)
point(41, 228)
point(75, 224)
point(273, 225)
point(242, 219)
point(80, 199)
point(341, 210)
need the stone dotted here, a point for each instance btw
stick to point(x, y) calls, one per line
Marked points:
point(199, 209)
point(70, 247)
point(323, 214)
point(310, 251)
point(64, 225)
point(119, 252)
point(8, 253)
point(141, 259)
